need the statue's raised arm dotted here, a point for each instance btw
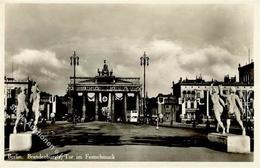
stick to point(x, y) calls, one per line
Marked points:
point(211, 89)
point(221, 91)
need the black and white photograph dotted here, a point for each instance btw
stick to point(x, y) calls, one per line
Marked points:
point(129, 82)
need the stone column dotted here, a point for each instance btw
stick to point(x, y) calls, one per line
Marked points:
point(5, 103)
point(171, 114)
point(137, 103)
point(183, 108)
point(207, 103)
point(159, 108)
point(195, 103)
point(54, 105)
point(48, 111)
point(84, 106)
point(112, 107)
point(96, 105)
point(125, 106)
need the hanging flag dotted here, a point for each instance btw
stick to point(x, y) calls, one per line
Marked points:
point(106, 104)
point(104, 99)
point(109, 104)
point(130, 94)
point(119, 96)
point(91, 97)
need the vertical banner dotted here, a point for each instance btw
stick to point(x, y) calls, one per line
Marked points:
point(91, 97)
point(119, 96)
point(105, 103)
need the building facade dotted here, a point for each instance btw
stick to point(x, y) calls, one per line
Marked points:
point(105, 96)
point(12, 88)
point(195, 101)
point(167, 106)
point(46, 105)
point(246, 73)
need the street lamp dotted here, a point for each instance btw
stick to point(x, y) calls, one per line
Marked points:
point(144, 61)
point(74, 61)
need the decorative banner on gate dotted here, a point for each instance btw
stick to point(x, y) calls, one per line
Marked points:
point(104, 99)
point(91, 97)
point(106, 110)
point(119, 96)
point(100, 97)
point(130, 94)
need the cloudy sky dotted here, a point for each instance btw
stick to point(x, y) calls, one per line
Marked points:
point(181, 41)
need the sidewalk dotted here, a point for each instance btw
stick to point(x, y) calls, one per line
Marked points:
point(202, 127)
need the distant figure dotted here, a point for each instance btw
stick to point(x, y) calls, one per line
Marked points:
point(52, 118)
point(232, 101)
point(35, 100)
point(21, 107)
point(217, 107)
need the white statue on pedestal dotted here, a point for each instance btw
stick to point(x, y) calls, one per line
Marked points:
point(21, 107)
point(217, 107)
point(232, 101)
point(35, 100)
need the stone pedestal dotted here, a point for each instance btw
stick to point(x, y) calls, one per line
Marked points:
point(20, 142)
point(231, 142)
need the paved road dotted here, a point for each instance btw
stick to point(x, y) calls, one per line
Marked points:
point(127, 142)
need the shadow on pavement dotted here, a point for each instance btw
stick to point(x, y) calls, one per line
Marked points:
point(171, 141)
point(85, 139)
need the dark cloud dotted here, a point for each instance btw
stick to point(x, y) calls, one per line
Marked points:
point(181, 40)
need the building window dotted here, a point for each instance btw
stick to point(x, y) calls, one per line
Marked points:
point(188, 115)
point(198, 94)
point(188, 104)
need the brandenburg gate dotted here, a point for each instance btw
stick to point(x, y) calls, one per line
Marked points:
point(105, 96)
